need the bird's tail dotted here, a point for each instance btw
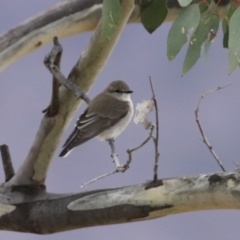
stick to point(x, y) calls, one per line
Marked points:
point(65, 152)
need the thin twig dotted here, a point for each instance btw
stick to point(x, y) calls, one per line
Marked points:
point(155, 139)
point(120, 168)
point(49, 62)
point(97, 178)
point(130, 151)
point(7, 162)
point(204, 138)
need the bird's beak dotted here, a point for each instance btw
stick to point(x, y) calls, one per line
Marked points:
point(129, 91)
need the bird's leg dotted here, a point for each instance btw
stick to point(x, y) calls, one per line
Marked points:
point(114, 156)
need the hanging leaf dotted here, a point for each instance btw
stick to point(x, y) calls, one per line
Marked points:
point(225, 24)
point(187, 20)
point(208, 26)
point(184, 3)
point(234, 41)
point(211, 35)
point(153, 13)
point(111, 15)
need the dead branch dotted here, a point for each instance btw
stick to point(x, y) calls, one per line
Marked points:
point(50, 62)
point(204, 138)
point(155, 139)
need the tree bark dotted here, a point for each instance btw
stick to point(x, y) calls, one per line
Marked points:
point(45, 213)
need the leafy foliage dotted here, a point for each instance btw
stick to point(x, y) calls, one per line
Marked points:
point(206, 31)
point(198, 21)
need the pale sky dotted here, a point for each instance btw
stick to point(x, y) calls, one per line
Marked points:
point(25, 89)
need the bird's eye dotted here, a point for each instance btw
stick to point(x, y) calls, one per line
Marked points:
point(118, 91)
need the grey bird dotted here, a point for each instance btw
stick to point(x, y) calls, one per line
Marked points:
point(106, 116)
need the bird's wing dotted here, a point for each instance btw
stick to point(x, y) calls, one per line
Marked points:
point(93, 122)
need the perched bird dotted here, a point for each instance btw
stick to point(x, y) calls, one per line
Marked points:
point(106, 116)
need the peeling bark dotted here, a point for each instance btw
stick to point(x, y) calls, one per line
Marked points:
point(45, 213)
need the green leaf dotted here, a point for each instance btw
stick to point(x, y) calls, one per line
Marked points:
point(203, 5)
point(111, 14)
point(234, 41)
point(188, 19)
point(184, 3)
point(225, 38)
point(211, 35)
point(153, 13)
point(225, 23)
point(206, 30)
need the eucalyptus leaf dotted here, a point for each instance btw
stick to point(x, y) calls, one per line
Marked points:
point(153, 13)
point(111, 15)
point(206, 30)
point(225, 24)
point(234, 41)
point(211, 35)
point(187, 20)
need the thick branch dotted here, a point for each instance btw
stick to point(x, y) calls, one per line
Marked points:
point(64, 19)
point(54, 213)
point(34, 169)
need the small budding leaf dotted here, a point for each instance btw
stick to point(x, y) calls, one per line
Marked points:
point(142, 110)
point(111, 15)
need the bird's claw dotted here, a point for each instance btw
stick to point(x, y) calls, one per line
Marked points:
point(122, 168)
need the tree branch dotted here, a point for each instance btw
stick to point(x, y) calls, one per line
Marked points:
point(64, 19)
point(84, 73)
point(119, 205)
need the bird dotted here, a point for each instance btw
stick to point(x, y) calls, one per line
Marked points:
point(106, 116)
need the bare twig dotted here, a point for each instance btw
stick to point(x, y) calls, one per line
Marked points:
point(49, 62)
point(204, 138)
point(155, 139)
point(120, 168)
point(7, 162)
point(130, 151)
point(97, 178)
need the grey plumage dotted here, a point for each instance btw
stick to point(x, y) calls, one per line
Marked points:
point(102, 113)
